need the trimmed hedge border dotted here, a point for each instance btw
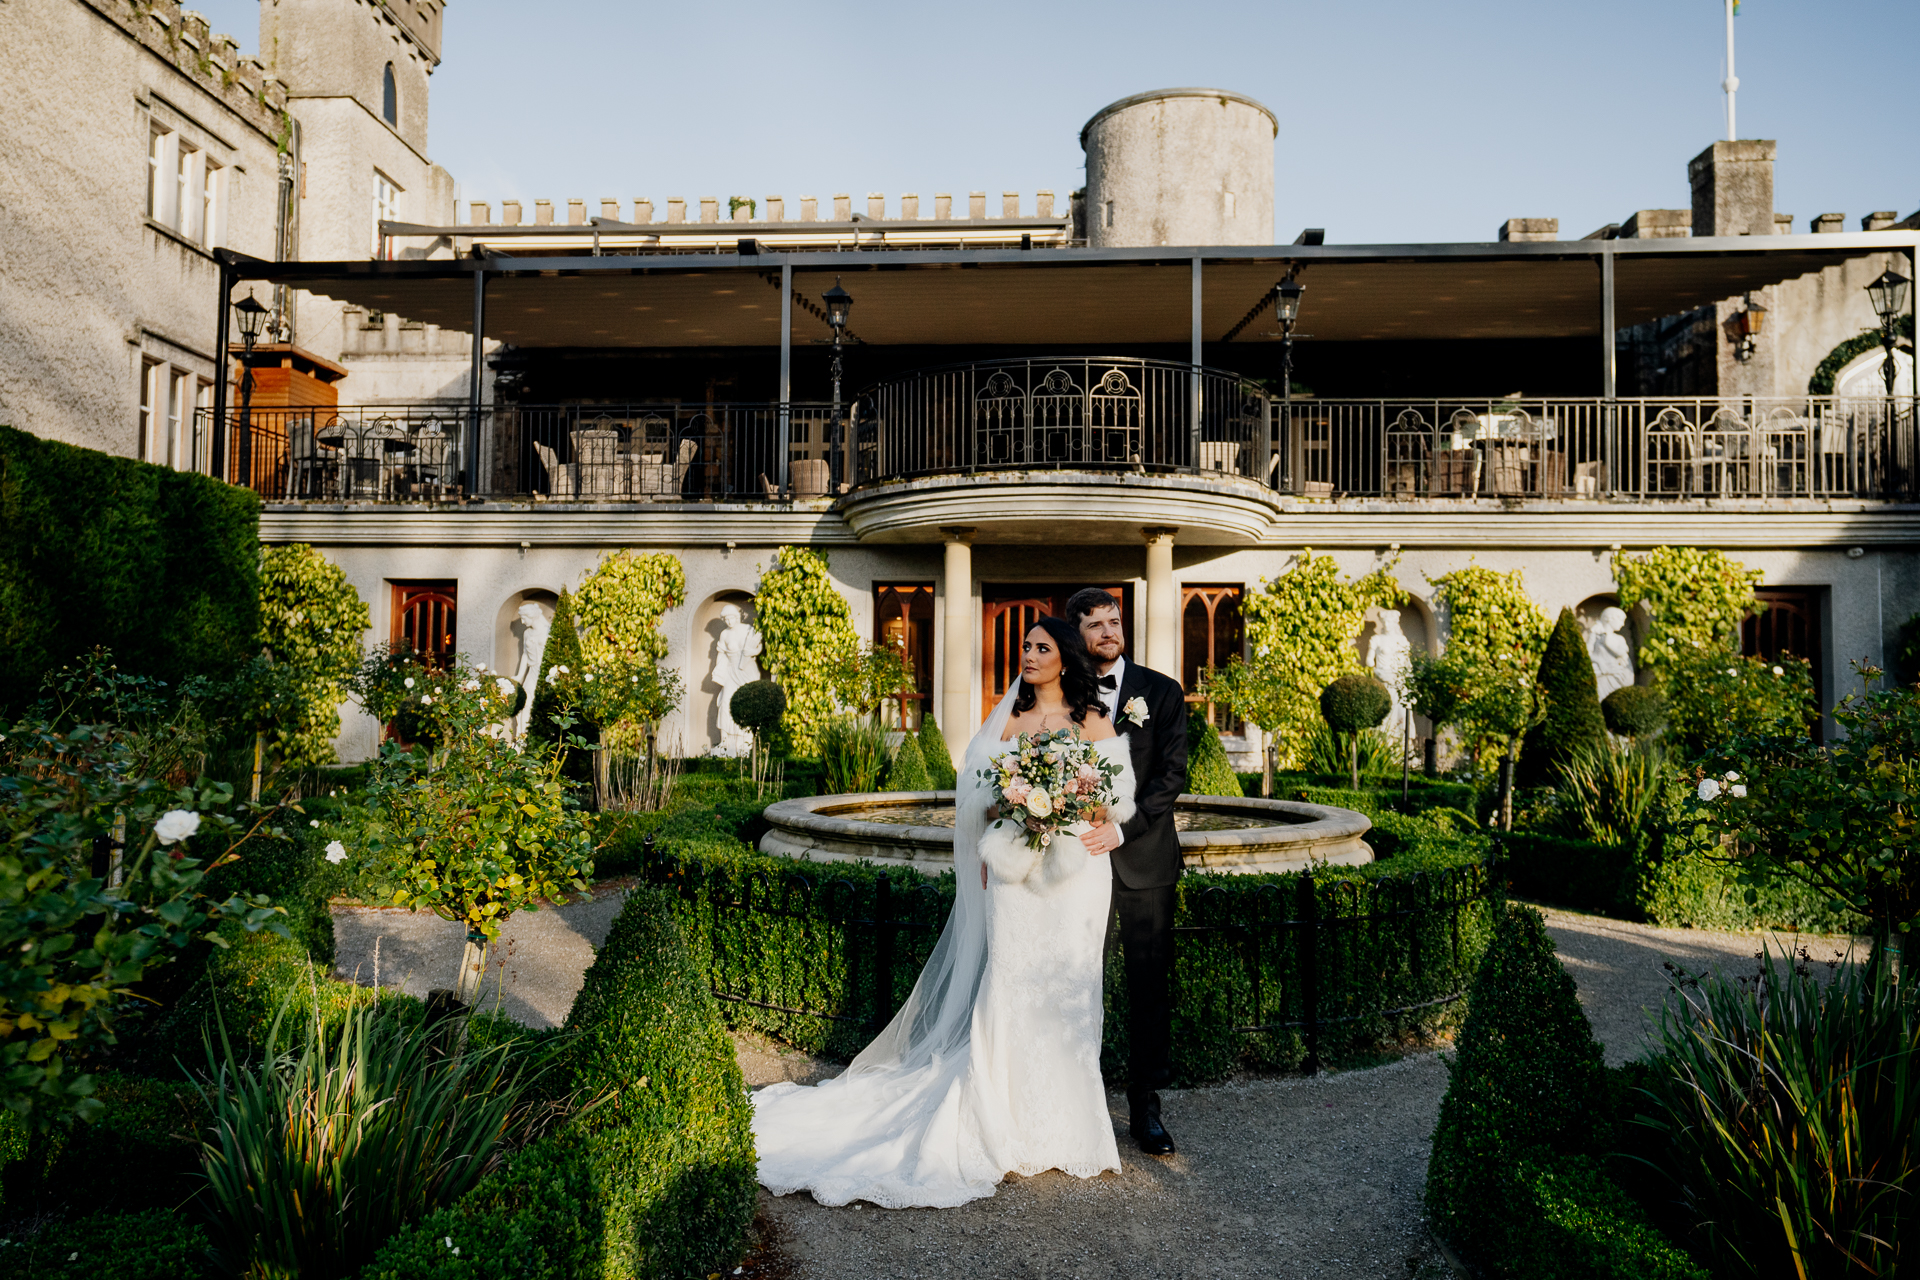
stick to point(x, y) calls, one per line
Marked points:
point(794, 947)
point(656, 1181)
point(161, 566)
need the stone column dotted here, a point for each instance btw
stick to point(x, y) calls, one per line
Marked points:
point(1163, 603)
point(957, 718)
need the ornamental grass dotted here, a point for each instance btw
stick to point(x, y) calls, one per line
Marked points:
point(1787, 1110)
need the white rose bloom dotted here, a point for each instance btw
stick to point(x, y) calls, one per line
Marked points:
point(176, 825)
point(1738, 790)
point(1709, 788)
point(504, 685)
point(1040, 804)
point(425, 700)
point(314, 823)
point(589, 677)
point(1779, 671)
point(336, 852)
point(1732, 776)
point(408, 682)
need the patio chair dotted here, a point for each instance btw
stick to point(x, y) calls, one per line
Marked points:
point(1589, 479)
point(559, 476)
point(432, 458)
point(810, 478)
point(1456, 472)
point(658, 479)
point(310, 465)
point(1220, 455)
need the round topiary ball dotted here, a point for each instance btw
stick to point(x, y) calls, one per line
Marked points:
point(1634, 710)
point(757, 706)
point(1354, 702)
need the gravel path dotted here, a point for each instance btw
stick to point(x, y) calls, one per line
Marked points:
point(1280, 1177)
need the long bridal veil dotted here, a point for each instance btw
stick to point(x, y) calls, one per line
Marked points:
point(935, 1022)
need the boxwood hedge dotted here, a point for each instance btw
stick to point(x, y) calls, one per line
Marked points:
point(657, 1179)
point(160, 566)
point(1515, 1181)
point(795, 949)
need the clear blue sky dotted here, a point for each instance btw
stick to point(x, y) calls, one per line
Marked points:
point(1400, 121)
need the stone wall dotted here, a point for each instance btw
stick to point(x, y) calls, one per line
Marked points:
point(93, 287)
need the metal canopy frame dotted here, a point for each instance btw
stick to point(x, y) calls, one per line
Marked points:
point(1581, 287)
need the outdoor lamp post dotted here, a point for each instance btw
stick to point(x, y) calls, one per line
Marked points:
point(839, 302)
point(1889, 297)
point(1286, 309)
point(253, 317)
point(1748, 325)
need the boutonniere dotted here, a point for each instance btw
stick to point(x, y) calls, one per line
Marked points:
point(1135, 712)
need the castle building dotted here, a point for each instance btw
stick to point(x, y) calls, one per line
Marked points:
point(1128, 385)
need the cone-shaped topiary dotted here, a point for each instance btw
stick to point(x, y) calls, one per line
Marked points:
point(908, 772)
point(1573, 724)
point(1209, 772)
point(561, 658)
point(934, 753)
point(1526, 1075)
point(1351, 704)
point(1635, 710)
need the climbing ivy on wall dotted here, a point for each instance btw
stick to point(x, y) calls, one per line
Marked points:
point(1695, 599)
point(619, 605)
point(1821, 383)
point(806, 627)
point(1301, 628)
point(1495, 634)
point(314, 622)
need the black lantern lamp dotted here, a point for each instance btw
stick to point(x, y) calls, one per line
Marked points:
point(1286, 306)
point(1889, 297)
point(253, 318)
point(1747, 325)
point(839, 303)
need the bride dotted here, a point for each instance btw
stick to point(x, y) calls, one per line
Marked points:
point(993, 1064)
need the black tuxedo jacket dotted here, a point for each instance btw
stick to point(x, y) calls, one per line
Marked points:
point(1149, 858)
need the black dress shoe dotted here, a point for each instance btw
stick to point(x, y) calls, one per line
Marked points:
point(1150, 1133)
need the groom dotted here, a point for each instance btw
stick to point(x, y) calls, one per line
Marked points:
point(1152, 710)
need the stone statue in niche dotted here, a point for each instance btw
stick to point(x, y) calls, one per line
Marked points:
point(736, 661)
point(1390, 654)
point(1610, 652)
point(534, 628)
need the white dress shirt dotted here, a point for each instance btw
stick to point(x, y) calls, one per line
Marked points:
point(1112, 698)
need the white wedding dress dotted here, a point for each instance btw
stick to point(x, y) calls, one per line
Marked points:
point(993, 1065)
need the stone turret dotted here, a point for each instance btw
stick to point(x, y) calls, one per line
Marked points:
point(344, 48)
point(1180, 167)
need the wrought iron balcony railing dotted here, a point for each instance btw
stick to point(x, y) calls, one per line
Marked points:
point(1087, 414)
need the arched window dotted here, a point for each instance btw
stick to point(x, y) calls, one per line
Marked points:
point(390, 98)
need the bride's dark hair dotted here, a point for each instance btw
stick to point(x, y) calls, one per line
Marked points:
point(1079, 680)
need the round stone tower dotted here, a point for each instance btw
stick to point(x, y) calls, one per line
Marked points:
point(1180, 167)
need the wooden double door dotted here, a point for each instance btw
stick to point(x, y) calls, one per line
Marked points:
point(1008, 611)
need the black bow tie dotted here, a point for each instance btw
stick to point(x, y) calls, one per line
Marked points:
point(1109, 682)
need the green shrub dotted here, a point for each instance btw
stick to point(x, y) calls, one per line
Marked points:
point(161, 566)
point(757, 706)
point(1332, 756)
point(1571, 724)
point(1716, 695)
point(157, 1244)
point(1611, 795)
point(561, 657)
point(1353, 702)
point(1580, 1225)
point(1422, 793)
point(1635, 711)
point(312, 620)
point(908, 772)
point(142, 1153)
point(938, 757)
point(1209, 772)
point(1526, 1078)
point(1570, 872)
point(1785, 1115)
point(656, 1181)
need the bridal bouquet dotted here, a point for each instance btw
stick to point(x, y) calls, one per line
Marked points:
point(1051, 782)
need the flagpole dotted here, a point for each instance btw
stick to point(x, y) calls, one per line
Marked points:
point(1732, 82)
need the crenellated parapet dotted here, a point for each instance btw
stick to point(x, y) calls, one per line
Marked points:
point(183, 39)
point(773, 211)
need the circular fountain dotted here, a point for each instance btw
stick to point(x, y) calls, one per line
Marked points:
point(1217, 833)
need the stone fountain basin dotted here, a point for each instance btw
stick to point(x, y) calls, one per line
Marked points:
point(915, 829)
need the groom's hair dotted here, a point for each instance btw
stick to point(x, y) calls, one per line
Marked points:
point(1085, 601)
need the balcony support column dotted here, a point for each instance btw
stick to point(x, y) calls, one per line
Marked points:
point(783, 441)
point(474, 376)
point(217, 440)
point(1163, 603)
point(957, 717)
point(1194, 388)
